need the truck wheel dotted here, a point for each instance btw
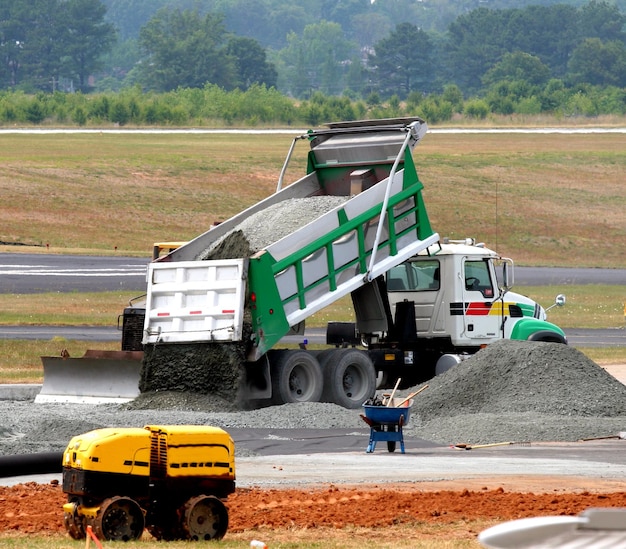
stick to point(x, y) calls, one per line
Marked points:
point(349, 377)
point(547, 336)
point(119, 519)
point(205, 518)
point(296, 377)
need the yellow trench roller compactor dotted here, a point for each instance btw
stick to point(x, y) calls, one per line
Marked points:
point(168, 479)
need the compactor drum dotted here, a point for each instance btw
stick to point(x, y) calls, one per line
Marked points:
point(170, 480)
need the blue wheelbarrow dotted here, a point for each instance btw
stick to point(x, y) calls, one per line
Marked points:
point(386, 424)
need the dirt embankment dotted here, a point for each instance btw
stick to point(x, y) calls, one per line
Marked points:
point(36, 509)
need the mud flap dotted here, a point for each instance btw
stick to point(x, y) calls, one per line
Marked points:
point(98, 377)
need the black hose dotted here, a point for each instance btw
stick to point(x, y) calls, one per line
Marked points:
point(31, 464)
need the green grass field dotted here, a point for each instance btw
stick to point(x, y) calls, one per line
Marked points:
point(588, 306)
point(542, 199)
point(414, 536)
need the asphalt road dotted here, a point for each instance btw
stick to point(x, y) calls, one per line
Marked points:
point(309, 457)
point(37, 273)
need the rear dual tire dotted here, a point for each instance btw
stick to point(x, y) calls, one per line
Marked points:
point(349, 377)
point(343, 376)
point(296, 377)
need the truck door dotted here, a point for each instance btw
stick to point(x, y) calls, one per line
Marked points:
point(482, 313)
point(419, 281)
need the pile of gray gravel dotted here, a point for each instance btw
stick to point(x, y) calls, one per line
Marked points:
point(508, 392)
point(519, 391)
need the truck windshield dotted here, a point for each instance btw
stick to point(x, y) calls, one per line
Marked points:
point(477, 278)
point(416, 276)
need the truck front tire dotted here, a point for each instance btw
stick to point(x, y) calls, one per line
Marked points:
point(548, 336)
point(349, 377)
point(296, 377)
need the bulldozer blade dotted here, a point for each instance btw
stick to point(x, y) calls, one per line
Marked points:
point(98, 377)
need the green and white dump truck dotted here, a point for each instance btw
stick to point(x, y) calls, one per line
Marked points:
point(218, 306)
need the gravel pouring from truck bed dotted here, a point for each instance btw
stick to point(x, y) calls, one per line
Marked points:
point(213, 366)
point(510, 391)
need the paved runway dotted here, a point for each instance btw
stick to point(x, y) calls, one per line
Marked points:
point(300, 457)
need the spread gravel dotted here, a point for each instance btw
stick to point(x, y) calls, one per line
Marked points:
point(508, 392)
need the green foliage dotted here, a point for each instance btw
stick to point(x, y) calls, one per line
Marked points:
point(580, 104)
point(354, 49)
point(402, 62)
point(373, 99)
point(598, 63)
point(434, 110)
point(612, 100)
point(414, 99)
point(528, 105)
point(259, 105)
point(79, 116)
point(34, 111)
point(518, 66)
point(476, 108)
point(320, 109)
point(119, 113)
point(98, 107)
point(185, 49)
point(484, 46)
point(453, 95)
point(52, 44)
point(91, 37)
point(251, 63)
point(318, 60)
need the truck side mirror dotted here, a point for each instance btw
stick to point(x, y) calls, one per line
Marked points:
point(507, 273)
point(559, 301)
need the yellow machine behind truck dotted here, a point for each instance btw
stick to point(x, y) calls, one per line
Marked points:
point(168, 479)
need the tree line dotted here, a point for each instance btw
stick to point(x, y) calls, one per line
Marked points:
point(212, 106)
point(52, 44)
point(533, 59)
point(271, 21)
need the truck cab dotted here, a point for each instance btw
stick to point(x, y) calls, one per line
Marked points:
point(447, 302)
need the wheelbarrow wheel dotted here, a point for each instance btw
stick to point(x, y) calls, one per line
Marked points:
point(391, 444)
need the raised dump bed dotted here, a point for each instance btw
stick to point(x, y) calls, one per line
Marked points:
point(376, 221)
point(217, 306)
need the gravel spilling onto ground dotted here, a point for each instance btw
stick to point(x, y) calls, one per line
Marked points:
point(217, 368)
point(510, 391)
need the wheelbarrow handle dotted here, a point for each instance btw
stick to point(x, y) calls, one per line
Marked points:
point(390, 401)
point(412, 395)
